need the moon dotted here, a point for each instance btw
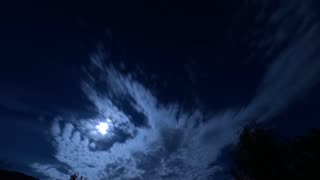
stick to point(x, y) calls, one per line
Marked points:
point(103, 127)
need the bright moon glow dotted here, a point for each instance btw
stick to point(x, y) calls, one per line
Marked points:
point(103, 127)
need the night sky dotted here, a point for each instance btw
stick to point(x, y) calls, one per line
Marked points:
point(152, 90)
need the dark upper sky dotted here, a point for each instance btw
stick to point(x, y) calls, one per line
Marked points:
point(58, 38)
point(235, 62)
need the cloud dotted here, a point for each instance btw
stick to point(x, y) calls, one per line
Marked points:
point(176, 144)
point(296, 68)
point(171, 143)
point(50, 171)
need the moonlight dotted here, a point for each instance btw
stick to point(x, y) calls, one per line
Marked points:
point(103, 127)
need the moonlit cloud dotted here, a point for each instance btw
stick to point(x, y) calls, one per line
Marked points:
point(296, 68)
point(50, 171)
point(174, 144)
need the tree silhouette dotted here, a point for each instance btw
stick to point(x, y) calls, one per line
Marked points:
point(76, 176)
point(260, 156)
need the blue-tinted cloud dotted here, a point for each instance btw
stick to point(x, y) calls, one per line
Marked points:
point(176, 144)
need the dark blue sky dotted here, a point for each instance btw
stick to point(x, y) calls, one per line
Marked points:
point(173, 72)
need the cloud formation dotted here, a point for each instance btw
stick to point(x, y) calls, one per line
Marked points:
point(296, 68)
point(176, 144)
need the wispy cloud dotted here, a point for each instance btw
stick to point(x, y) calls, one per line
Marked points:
point(296, 68)
point(176, 144)
point(50, 171)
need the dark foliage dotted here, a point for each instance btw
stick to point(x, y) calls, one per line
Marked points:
point(260, 156)
point(5, 174)
point(77, 177)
